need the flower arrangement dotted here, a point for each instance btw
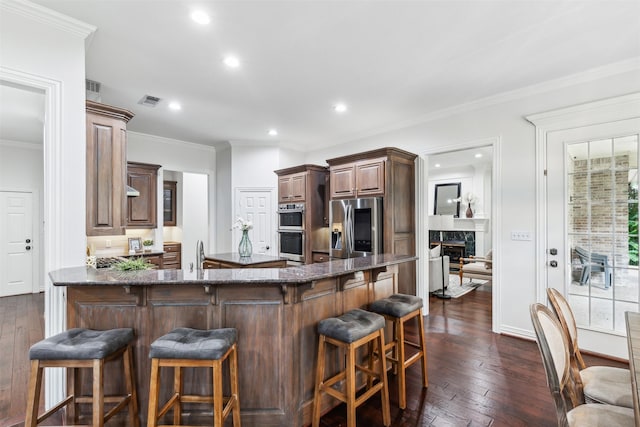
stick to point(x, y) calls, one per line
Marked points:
point(468, 199)
point(243, 224)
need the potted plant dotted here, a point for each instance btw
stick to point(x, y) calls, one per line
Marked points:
point(147, 245)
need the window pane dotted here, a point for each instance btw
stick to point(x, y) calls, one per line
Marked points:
point(601, 313)
point(626, 284)
point(600, 153)
point(620, 309)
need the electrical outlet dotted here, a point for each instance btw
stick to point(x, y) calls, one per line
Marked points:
point(107, 244)
point(521, 235)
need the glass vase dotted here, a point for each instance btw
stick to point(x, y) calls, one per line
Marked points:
point(245, 248)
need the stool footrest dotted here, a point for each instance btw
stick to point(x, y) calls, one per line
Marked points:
point(122, 403)
point(167, 406)
point(413, 359)
point(51, 411)
point(367, 394)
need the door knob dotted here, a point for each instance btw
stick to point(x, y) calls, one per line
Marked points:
point(553, 263)
point(28, 248)
point(28, 241)
point(553, 251)
point(267, 247)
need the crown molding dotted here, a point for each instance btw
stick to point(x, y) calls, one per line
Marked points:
point(47, 16)
point(174, 142)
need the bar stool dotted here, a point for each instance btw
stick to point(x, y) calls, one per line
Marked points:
point(187, 348)
point(84, 348)
point(350, 331)
point(399, 308)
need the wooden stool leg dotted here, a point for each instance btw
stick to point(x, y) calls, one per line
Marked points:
point(423, 348)
point(217, 394)
point(98, 393)
point(384, 393)
point(177, 390)
point(402, 378)
point(351, 386)
point(235, 395)
point(154, 391)
point(35, 385)
point(319, 379)
point(130, 379)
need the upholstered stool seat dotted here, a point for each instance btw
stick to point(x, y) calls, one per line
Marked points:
point(84, 348)
point(351, 331)
point(186, 347)
point(398, 309)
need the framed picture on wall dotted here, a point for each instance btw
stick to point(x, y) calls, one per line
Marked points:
point(135, 244)
point(445, 202)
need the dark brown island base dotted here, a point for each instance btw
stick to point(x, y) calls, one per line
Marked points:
point(275, 311)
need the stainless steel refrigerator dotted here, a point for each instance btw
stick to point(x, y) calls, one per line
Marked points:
point(356, 227)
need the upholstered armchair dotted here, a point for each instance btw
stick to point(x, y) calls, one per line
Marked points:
point(438, 264)
point(475, 267)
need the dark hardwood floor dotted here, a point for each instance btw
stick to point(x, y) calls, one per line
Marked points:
point(476, 377)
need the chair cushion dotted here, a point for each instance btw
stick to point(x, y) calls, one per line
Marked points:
point(351, 326)
point(397, 305)
point(606, 384)
point(489, 256)
point(197, 344)
point(598, 415)
point(81, 344)
point(476, 268)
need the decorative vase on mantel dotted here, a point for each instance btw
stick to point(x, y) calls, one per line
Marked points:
point(245, 249)
point(469, 212)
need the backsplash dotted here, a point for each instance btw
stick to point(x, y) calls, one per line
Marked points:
point(102, 246)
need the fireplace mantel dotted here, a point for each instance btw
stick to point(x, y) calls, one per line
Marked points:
point(470, 224)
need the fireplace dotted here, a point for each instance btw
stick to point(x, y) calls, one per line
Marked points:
point(456, 244)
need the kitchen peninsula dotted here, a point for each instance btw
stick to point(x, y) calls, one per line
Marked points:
point(275, 310)
point(234, 260)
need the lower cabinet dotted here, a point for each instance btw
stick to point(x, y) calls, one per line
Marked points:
point(172, 259)
point(319, 257)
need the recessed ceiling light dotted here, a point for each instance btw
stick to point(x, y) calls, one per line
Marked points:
point(200, 17)
point(231, 61)
point(175, 106)
point(478, 155)
point(340, 108)
point(437, 165)
point(273, 132)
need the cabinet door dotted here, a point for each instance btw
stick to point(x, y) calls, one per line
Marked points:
point(292, 188)
point(141, 212)
point(298, 184)
point(370, 178)
point(342, 181)
point(284, 189)
point(106, 170)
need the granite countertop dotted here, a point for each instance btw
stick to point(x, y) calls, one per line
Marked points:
point(87, 276)
point(237, 259)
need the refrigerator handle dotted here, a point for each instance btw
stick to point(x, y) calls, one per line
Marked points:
point(349, 230)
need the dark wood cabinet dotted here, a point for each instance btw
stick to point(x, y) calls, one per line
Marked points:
point(106, 169)
point(172, 259)
point(358, 179)
point(308, 184)
point(169, 196)
point(390, 173)
point(292, 188)
point(153, 258)
point(142, 210)
point(320, 257)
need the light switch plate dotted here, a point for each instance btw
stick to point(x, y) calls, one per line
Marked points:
point(521, 235)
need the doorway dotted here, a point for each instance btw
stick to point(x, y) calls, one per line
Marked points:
point(468, 229)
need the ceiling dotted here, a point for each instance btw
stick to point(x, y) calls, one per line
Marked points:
point(391, 62)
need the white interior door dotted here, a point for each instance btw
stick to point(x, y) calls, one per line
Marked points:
point(256, 205)
point(592, 205)
point(16, 243)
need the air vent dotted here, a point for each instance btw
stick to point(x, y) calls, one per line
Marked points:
point(93, 90)
point(149, 101)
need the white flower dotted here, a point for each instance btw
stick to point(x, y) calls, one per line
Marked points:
point(468, 199)
point(242, 224)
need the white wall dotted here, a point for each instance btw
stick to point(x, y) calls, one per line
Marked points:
point(195, 215)
point(48, 51)
point(504, 118)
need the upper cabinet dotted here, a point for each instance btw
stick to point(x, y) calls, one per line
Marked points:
point(169, 197)
point(292, 187)
point(357, 179)
point(106, 169)
point(142, 210)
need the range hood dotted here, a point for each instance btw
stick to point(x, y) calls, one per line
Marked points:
point(132, 192)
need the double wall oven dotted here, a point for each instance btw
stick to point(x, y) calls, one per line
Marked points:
point(291, 232)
